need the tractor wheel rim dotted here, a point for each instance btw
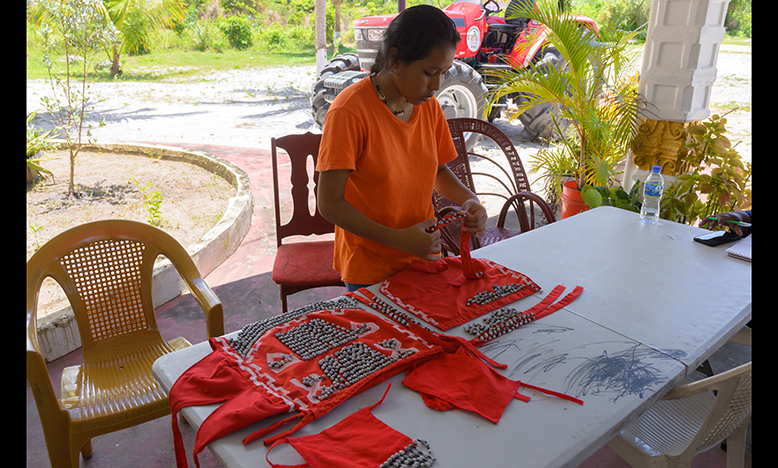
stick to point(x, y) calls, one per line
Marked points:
point(457, 101)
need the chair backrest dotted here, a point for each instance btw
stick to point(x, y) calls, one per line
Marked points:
point(733, 404)
point(502, 177)
point(303, 222)
point(682, 426)
point(106, 270)
point(508, 179)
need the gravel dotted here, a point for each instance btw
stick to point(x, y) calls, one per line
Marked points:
point(247, 107)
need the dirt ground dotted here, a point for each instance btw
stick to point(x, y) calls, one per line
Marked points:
point(112, 185)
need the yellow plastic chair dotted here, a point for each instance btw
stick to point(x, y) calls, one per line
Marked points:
point(105, 269)
point(689, 420)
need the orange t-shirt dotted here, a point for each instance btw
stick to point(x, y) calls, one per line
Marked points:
point(393, 167)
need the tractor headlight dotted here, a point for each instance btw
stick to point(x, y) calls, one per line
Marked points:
point(375, 35)
point(358, 36)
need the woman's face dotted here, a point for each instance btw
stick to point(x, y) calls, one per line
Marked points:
point(417, 81)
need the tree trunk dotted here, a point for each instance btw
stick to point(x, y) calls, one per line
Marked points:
point(320, 15)
point(115, 67)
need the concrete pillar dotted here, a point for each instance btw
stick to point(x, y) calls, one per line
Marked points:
point(679, 68)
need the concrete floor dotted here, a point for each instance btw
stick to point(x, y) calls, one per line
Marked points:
point(248, 294)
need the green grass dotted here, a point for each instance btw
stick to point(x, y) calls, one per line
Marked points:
point(174, 57)
point(736, 40)
point(157, 66)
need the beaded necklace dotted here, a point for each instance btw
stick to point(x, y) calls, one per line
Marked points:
point(382, 97)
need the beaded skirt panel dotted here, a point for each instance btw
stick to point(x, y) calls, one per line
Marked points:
point(305, 361)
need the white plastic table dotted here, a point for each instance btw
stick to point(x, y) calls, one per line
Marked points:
point(655, 305)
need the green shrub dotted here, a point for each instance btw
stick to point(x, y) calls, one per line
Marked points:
point(302, 37)
point(627, 15)
point(206, 35)
point(238, 30)
point(273, 37)
point(738, 22)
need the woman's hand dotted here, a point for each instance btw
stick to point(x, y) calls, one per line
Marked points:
point(415, 240)
point(476, 222)
point(724, 221)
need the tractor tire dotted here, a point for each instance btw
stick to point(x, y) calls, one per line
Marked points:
point(538, 121)
point(322, 96)
point(463, 93)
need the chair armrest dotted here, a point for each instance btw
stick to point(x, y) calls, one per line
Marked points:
point(202, 293)
point(211, 305)
point(40, 381)
point(705, 385)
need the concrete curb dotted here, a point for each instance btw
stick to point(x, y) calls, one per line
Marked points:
point(58, 332)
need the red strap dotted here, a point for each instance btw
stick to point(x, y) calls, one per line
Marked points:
point(553, 393)
point(546, 301)
point(469, 347)
point(370, 408)
point(565, 301)
point(468, 266)
point(521, 397)
point(267, 430)
point(281, 441)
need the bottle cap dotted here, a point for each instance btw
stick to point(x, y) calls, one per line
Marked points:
point(656, 169)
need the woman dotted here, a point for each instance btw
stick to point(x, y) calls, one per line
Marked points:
point(385, 147)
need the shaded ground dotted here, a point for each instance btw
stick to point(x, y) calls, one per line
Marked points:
point(112, 186)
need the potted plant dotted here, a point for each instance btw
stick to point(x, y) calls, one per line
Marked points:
point(612, 196)
point(37, 142)
point(718, 181)
point(589, 76)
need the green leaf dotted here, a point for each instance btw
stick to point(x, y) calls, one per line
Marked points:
point(592, 198)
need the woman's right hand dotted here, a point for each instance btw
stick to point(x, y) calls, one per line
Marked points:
point(416, 241)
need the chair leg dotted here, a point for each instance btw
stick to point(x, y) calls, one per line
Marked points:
point(86, 449)
point(736, 446)
point(283, 299)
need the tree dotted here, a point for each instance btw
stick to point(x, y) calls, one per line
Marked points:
point(320, 15)
point(136, 20)
point(79, 28)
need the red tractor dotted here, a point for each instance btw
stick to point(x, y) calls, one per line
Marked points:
point(488, 43)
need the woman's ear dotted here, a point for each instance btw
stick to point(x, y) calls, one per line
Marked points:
point(393, 57)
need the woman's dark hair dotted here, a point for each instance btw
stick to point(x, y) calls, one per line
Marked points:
point(415, 32)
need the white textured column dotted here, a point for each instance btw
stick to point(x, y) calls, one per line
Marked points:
point(679, 69)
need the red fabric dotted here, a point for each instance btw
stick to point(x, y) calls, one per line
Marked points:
point(251, 389)
point(304, 264)
point(437, 292)
point(358, 441)
point(215, 380)
point(459, 380)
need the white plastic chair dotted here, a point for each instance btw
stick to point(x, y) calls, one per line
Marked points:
point(689, 420)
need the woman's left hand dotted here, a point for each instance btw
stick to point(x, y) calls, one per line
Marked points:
point(476, 222)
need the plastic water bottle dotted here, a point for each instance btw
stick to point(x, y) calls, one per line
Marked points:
point(652, 195)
